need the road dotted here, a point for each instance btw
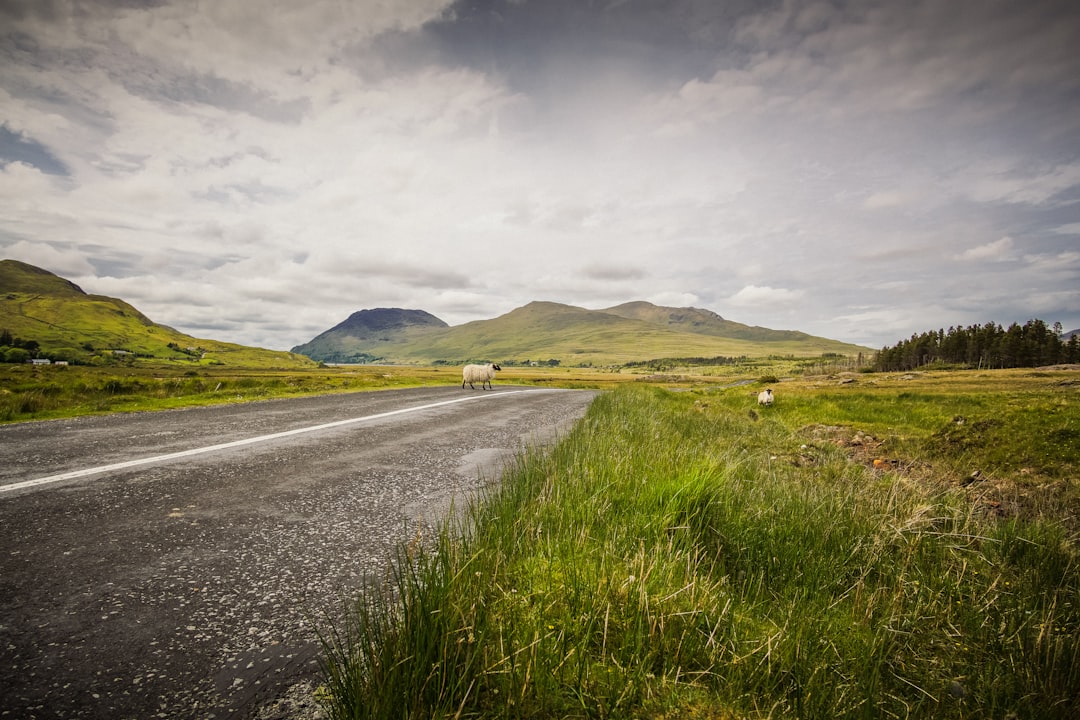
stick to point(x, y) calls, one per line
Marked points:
point(170, 564)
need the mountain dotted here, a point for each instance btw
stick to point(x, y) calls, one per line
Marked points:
point(704, 322)
point(66, 323)
point(346, 341)
point(542, 331)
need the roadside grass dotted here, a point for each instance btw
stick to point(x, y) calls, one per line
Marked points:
point(687, 554)
point(43, 393)
point(39, 393)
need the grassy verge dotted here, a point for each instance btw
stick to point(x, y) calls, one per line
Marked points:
point(43, 393)
point(686, 554)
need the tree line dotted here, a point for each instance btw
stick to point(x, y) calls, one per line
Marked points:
point(1032, 344)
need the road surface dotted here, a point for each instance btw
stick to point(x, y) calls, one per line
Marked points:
point(169, 564)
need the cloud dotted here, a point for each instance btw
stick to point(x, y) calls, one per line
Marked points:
point(997, 251)
point(755, 295)
point(269, 170)
point(613, 272)
point(19, 147)
point(1010, 182)
point(885, 199)
point(62, 261)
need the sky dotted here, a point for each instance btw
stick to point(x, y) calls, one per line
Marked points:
point(255, 172)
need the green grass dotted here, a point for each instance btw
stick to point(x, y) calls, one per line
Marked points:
point(50, 392)
point(42, 393)
point(686, 554)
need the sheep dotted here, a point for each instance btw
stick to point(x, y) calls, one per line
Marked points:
point(482, 374)
point(765, 397)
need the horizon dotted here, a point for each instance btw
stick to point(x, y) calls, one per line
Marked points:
point(1064, 334)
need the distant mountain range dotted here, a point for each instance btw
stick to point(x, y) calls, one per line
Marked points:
point(546, 331)
point(65, 323)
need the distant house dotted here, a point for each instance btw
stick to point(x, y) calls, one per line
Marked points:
point(40, 361)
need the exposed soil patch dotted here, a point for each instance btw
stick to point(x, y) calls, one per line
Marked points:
point(992, 496)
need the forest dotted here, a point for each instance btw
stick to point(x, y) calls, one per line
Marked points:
point(1032, 344)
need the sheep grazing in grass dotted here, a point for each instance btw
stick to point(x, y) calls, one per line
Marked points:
point(482, 374)
point(765, 397)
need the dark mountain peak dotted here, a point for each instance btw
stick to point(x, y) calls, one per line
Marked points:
point(350, 340)
point(381, 319)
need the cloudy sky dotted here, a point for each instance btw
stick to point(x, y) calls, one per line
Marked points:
point(256, 170)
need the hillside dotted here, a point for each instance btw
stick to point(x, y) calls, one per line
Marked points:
point(69, 324)
point(703, 322)
point(543, 331)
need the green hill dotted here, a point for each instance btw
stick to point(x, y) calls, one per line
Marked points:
point(68, 324)
point(542, 331)
point(704, 322)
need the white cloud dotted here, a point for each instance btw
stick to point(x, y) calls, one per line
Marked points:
point(66, 262)
point(886, 199)
point(1005, 181)
point(998, 251)
point(758, 295)
point(1070, 229)
point(674, 299)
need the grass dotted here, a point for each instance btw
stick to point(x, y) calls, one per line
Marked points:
point(42, 393)
point(686, 554)
point(39, 393)
point(873, 545)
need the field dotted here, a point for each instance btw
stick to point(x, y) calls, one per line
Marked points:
point(871, 546)
point(47, 392)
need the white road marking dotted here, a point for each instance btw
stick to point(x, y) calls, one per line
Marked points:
point(75, 474)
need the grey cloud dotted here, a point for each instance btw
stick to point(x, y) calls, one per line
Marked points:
point(613, 273)
point(57, 10)
point(415, 275)
point(566, 53)
point(141, 75)
point(176, 85)
point(255, 192)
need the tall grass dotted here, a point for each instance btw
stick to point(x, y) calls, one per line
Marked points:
point(669, 559)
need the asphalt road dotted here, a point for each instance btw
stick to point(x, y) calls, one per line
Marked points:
point(184, 585)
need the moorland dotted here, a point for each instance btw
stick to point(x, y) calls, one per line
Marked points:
point(870, 546)
point(874, 544)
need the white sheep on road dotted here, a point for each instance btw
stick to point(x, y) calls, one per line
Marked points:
point(482, 374)
point(765, 397)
